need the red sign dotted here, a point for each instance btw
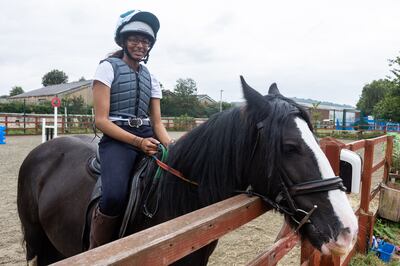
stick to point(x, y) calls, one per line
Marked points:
point(56, 102)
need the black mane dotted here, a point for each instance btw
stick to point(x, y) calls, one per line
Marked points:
point(217, 153)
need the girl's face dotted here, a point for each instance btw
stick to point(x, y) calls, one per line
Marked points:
point(137, 46)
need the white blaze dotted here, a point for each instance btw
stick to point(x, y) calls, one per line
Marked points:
point(338, 198)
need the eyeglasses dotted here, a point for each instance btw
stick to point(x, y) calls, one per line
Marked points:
point(136, 41)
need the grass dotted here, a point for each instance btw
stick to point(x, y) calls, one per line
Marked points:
point(371, 260)
point(387, 230)
point(396, 152)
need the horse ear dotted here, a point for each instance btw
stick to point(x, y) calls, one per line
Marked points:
point(273, 89)
point(253, 97)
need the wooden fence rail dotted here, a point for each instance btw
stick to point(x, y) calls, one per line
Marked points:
point(167, 242)
point(31, 124)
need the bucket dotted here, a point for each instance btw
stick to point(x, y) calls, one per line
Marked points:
point(386, 251)
point(389, 202)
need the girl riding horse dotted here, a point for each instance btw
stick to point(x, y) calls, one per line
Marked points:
point(127, 110)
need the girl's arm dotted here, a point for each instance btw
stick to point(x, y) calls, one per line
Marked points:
point(158, 127)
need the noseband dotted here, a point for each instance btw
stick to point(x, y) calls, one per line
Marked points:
point(284, 201)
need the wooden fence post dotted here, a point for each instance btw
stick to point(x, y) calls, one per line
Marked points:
point(367, 175)
point(6, 123)
point(36, 125)
point(365, 220)
point(63, 124)
point(309, 255)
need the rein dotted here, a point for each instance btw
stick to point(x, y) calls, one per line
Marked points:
point(168, 168)
point(173, 171)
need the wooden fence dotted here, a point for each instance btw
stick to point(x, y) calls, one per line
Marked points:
point(31, 124)
point(366, 218)
point(166, 243)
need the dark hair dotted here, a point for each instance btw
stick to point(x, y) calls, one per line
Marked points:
point(117, 54)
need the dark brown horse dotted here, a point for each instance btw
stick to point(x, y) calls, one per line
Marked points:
point(266, 147)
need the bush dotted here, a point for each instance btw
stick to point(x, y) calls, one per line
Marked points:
point(345, 134)
point(20, 107)
point(396, 152)
point(184, 123)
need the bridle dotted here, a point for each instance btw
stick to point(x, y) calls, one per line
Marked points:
point(285, 200)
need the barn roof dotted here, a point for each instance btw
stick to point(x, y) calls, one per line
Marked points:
point(54, 89)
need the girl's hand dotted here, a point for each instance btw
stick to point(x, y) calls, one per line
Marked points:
point(149, 146)
point(171, 141)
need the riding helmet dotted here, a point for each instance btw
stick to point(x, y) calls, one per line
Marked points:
point(136, 21)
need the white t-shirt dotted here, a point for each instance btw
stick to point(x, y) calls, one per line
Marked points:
point(105, 74)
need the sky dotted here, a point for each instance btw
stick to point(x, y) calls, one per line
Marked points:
point(317, 49)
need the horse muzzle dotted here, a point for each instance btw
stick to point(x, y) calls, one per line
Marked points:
point(342, 245)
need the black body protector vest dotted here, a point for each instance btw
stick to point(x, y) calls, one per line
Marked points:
point(130, 91)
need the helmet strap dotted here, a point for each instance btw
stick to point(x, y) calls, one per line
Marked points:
point(146, 58)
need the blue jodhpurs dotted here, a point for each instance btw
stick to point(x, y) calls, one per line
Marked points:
point(117, 160)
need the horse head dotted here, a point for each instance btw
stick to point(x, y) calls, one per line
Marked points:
point(297, 178)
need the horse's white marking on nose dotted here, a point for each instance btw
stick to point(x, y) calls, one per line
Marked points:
point(338, 198)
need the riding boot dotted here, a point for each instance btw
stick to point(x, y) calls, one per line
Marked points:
point(102, 229)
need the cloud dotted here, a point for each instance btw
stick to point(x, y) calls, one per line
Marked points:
point(314, 49)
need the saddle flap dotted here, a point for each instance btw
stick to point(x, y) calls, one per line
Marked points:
point(140, 181)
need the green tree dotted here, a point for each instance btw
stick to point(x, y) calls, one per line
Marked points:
point(75, 105)
point(54, 77)
point(185, 88)
point(16, 90)
point(315, 114)
point(186, 99)
point(168, 104)
point(388, 108)
point(213, 108)
point(183, 101)
point(395, 65)
point(373, 93)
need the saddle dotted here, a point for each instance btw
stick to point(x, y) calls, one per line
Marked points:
point(143, 194)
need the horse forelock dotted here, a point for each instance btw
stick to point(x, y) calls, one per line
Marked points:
point(282, 112)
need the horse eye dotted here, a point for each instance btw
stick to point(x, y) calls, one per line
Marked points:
point(290, 148)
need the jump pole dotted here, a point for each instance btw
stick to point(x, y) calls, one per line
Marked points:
point(55, 102)
point(55, 121)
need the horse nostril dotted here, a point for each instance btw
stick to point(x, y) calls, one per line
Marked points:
point(345, 237)
point(345, 230)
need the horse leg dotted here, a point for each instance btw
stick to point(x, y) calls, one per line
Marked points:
point(39, 249)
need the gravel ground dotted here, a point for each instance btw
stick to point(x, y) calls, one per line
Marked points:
point(235, 248)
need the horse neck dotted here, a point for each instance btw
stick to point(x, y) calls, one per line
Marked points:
point(214, 155)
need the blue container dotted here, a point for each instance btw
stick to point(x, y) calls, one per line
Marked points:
point(2, 135)
point(386, 251)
